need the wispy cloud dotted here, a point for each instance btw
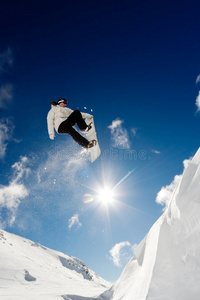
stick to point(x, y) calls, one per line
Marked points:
point(6, 132)
point(12, 194)
point(121, 253)
point(6, 95)
point(74, 221)
point(20, 170)
point(155, 151)
point(165, 194)
point(6, 90)
point(198, 79)
point(6, 60)
point(197, 103)
point(119, 135)
point(134, 132)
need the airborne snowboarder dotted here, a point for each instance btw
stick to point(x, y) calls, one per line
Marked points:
point(62, 119)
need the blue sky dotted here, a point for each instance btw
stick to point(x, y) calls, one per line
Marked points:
point(135, 65)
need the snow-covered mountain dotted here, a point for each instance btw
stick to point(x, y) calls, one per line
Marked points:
point(31, 271)
point(166, 265)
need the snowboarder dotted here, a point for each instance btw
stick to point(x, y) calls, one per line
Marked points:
point(63, 119)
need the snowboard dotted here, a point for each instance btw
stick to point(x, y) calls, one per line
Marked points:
point(92, 135)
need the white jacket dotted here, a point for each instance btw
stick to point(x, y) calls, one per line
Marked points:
point(57, 115)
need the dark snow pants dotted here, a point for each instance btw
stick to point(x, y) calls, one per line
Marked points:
point(67, 127)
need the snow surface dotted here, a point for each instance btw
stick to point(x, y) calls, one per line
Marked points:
point(31, 271)
point(166, 264)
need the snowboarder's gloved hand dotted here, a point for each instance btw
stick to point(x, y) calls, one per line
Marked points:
point(51, 136)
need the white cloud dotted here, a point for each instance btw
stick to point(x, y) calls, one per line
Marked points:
point(6, 60)
point(155, 151)
point(6, 132)
point(116, 123)
point(164, 195)
point(74, 221)
point(6, 95)
point(121, 253)
point(186, 163)
point(12, 194)
point(119, 134)
point(10, 198)
point(198, 103)
point(198, 79)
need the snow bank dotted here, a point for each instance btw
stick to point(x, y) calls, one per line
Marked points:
point(166, 265)
point(31, 271)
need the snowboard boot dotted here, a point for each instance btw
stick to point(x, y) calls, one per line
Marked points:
point(92, 143)
point(89, 126)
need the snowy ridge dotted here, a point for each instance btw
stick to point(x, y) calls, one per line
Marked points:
point(166, 265)
point(31, 271)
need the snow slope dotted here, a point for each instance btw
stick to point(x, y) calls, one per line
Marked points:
point(31, 271)
point(166, 265)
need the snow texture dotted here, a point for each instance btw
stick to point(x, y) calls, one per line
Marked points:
point(166, 264)
point(31, 271)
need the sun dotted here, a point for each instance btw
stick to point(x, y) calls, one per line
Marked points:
point(105, 195)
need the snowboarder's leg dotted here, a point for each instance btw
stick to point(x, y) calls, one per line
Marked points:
point(66, 127)
point(76, 118)
point(78, 138)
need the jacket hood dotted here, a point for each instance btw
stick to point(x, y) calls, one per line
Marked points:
point(54, 107)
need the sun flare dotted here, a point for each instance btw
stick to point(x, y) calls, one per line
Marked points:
point(106, 196)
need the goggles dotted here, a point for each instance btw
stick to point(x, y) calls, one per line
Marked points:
point(62, 101)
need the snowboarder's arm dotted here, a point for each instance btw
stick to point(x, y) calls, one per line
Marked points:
point(50, 124)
